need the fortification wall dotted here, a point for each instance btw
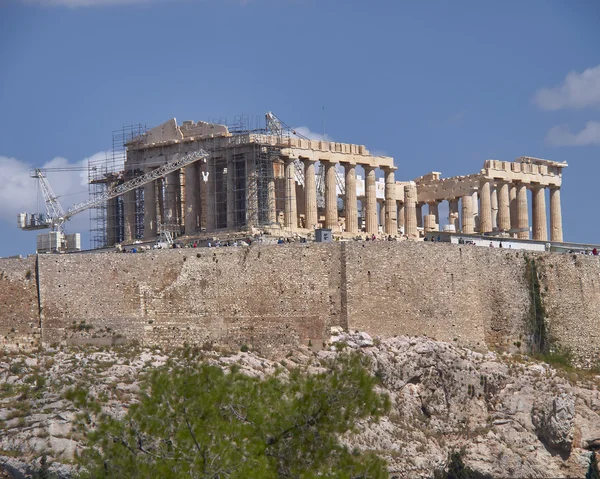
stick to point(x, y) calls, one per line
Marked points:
point(463, 294)
point(277, 296)
point(260, 296)
point(19, 314)
point(570, 289)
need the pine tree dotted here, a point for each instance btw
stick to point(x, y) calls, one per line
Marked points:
point(200, 421)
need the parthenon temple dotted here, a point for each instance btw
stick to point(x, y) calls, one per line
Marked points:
point(279, 181)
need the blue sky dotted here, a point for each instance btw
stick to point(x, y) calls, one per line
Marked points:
point(440, 86)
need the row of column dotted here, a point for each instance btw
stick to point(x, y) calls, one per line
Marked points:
point(503, 208)
point(350, 198)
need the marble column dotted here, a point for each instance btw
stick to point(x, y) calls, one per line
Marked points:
point(211, 199)
point(129, 216)
point(410, 211)
point(400, 213)
point(370, 200)
point(230, 193)
point(512, 200)
point(192, 198)
point(111, 222)
point(331, 210)
point(391, 223)
point(538, 208)
point(503, 207)
point(485, 210)
point(475, 203)
point(271, 199)
point(429, 223)
point(291, 213)
point(350, 200)
point(172, 190)
point(252, 208)
point(150, 231)
point(556, 232)
point(494, 203)
point(468, 222)
point(453, 217)
point(434, 210)
point(419, 208)
point(381, 221)
point(310, 194)
point(522, 211)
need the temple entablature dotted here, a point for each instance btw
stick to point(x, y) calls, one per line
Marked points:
point(525, 170)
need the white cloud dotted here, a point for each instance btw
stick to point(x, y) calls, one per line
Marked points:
point(311, 135)
point(19, 193)
point(562, 135)
point(579, 90)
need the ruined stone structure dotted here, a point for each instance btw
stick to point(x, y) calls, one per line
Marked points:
point(267, 180)
point(501, 188)
point(252, 180)
point(276, 296)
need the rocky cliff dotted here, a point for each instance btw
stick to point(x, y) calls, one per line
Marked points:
point(509, 415)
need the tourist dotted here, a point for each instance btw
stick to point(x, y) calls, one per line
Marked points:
point(373, 237)
point(500, 245)
point(595, 252)
point(491, 245)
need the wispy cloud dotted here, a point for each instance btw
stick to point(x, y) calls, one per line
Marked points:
point(311, 135)
point(457, 117)
point(19, 193)
point(562, 135)
point(579, 90)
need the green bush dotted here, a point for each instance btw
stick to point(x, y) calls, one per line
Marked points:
point(200, 421)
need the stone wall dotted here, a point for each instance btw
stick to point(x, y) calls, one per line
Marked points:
point(278, 295)
point(571, 297)
point(261, 296)
point(19, 312)
point(463, 294)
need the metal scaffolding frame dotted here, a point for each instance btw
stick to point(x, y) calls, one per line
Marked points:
point(240, 172)
point(107, 218)
point(239, 182)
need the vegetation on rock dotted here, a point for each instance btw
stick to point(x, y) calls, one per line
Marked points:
point(197, 420)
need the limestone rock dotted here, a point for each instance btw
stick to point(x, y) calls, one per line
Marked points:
point(512, 417)
point(553, 419)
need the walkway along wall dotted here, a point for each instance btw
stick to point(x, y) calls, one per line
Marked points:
point(271, 297)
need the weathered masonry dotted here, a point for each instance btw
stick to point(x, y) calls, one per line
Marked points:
point(274, 180)
point(273, 297)
point(252, 180)
point(496, 198)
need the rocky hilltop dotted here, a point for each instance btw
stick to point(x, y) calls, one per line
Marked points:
point(511, 416)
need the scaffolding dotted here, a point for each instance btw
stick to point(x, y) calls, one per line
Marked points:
point(241, 185)
point(107, 219)
point(245, 173)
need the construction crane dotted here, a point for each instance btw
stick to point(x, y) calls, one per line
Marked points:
point(56, 217)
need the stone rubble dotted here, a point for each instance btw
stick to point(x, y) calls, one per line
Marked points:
point(513, 417)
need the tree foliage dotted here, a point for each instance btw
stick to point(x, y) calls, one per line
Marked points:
point(200, 421)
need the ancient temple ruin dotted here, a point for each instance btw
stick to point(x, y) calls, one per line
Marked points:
point(276, 180)
point(495, 199)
